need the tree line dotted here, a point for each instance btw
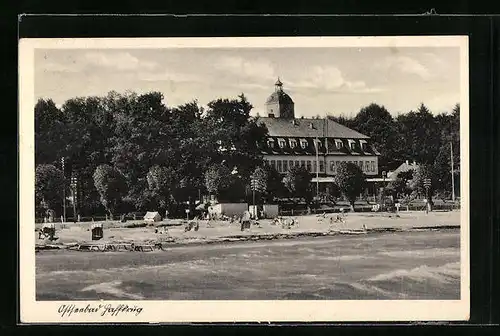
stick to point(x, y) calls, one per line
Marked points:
point(132, 152)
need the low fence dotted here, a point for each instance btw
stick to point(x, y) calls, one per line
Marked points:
point(368, 208)
point(284, 210)
point(98, 218)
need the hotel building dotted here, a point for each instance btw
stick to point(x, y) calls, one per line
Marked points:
point(320, 145)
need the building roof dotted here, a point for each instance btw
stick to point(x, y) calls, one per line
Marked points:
point(404, 167)
point(279, 127)
point(279, 97)
point(307, 146)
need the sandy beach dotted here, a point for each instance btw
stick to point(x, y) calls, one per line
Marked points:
point(171, 232)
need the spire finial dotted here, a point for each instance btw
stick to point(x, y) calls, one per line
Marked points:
point(279, 85)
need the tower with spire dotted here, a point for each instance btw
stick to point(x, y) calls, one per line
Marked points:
point(279, 104)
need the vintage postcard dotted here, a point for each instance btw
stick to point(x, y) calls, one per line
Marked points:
point(273, 179)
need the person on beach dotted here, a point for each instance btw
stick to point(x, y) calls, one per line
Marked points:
point(245, 221)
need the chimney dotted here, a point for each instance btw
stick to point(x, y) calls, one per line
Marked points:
point(407, 162)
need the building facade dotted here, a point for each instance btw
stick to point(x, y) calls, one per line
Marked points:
point(320, 145)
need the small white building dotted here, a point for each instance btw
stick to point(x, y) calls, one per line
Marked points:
point(152, 216)
point(228, 209)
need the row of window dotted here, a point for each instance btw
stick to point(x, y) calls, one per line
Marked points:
point(283, 166)
point(339, 144)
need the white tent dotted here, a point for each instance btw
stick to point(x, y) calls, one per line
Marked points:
point(152, 216)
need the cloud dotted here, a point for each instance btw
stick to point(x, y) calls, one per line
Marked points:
point(117, 60)
point(122, 61)
point(252, 73)
point(405, 64)
point(443, 103)
point(168, 76)
point(50, 66)
point(328, 79)
point(254, 86)
point(258, 68)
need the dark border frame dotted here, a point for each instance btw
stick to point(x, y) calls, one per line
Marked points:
point(483, 32)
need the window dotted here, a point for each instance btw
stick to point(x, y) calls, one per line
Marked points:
point(318, 144)
point(270, 143)
point(321, 166)
point(339, 144)
point(273, 164)
point(302, 163)
point(303, 143)
point(373, 166)
point(309, 166)
point(364, 146)
point(367, 166)
point(350, 161)
point(297, 163)
point(315, 166)
point(332, 166)
point(352, 144)
point(293, 143)
point(361, 165)
point(280, 168)
point(285, 166)
point(356, 163)
point(281, 142)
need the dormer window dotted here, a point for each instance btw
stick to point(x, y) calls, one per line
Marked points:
point(281, 142)
point(364, 145)
point(293, 143)
point(303, 143)
point(270, 142)
point(339, 144)
point(318, 143)
point(352, 144)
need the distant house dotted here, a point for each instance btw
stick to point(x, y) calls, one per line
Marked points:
point(152, 216)
point(404, 167)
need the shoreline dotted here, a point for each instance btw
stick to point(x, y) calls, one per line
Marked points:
point(238, 238)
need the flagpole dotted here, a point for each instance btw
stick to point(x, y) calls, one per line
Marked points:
point(317, 170)
point(64, 190)
point(452, 174)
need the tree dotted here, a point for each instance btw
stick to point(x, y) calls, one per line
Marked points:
point(89, 128)
point(217, 179)
point(112, 187)
point(50, 132)
point(49, 184)
point(377, 123)
point(274, 184)
point(449, 124)
point(420, 134)
point(258, 181)
point(298, 182)
point(161, 182)
point(350, 180)
point(343, 120)
point(142, 138)
point(234, 136)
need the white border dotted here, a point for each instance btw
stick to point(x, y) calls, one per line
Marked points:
point(32, 311)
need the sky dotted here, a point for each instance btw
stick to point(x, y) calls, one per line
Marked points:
point(335, 81)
